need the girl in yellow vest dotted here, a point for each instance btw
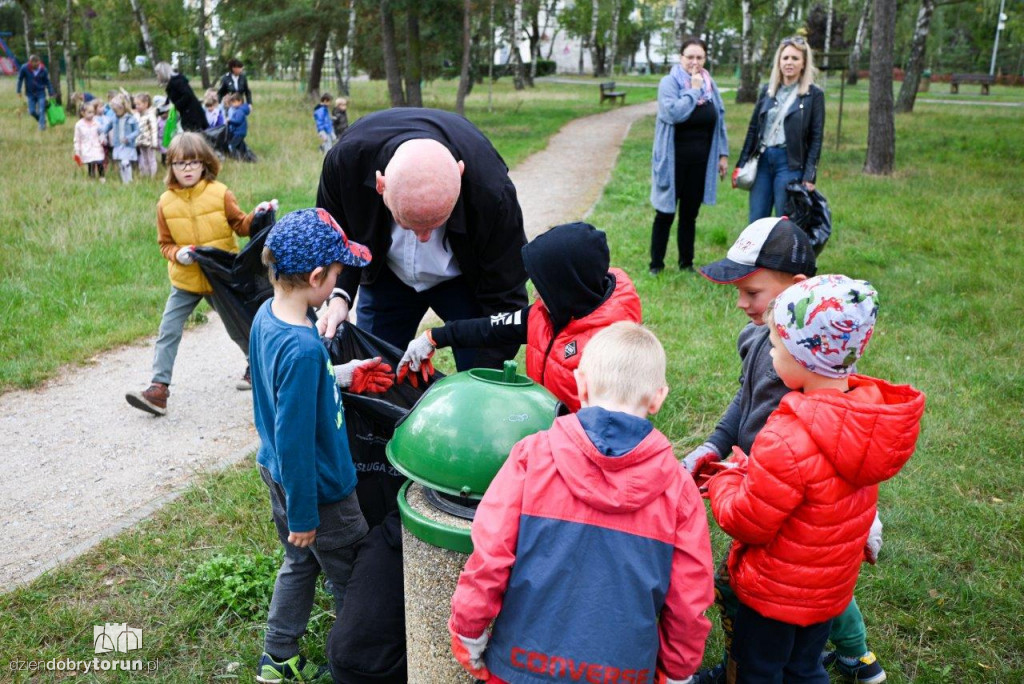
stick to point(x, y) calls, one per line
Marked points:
point(195, 211)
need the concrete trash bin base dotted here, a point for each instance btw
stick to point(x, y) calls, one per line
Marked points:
point(431, 573)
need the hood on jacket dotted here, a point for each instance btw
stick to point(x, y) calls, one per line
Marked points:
point(868, 439)
point(613, 484)
point(569, 267)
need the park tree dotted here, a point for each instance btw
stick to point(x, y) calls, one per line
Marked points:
point(881, 153)
point(592, 23)
point(858, 43)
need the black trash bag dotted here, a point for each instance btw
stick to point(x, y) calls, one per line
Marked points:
point(367, 641)
point(809, 210)
point(371, 421)
point(218, 138)
point(239, 281)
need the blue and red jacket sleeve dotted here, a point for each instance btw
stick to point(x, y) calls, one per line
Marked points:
point(495, 533)
point(683, 627)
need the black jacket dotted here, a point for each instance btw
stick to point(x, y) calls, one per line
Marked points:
point(485, 230)
point(190, 111)
point(228, 86)
point(804, 126)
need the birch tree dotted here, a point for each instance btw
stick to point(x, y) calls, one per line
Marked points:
point(881, 154)
point(595, 14)
point(613, 43)
point(746, 91)
point(515, 31)
point(858, 44)
point(204, 68)
point(147, 38)
point(69, 59)
point(467, 44)
point(346, 71)
point(912, 74)
point(679, 22)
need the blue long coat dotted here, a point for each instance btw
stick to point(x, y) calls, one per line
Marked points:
point(675, 105)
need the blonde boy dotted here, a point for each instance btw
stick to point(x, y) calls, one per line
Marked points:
point(304, 457)
point(592, 517)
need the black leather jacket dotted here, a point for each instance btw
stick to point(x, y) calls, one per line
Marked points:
point(227, 85)
point(804, 126)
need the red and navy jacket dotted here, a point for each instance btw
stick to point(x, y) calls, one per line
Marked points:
point(592, 567)
point(552, 355)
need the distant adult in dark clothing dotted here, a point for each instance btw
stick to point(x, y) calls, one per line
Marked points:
point(235, 82)
point(431, 197)
point(690, 152)
point(36, 80)
point(191, 114)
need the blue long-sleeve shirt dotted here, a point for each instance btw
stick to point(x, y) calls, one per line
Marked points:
point(36, 82)
point(298, 415)
point(238, 122)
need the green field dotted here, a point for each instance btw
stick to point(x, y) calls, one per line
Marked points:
point(941, 239)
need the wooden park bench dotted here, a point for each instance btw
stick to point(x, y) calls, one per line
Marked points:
point(984, 79)
point(608, 92)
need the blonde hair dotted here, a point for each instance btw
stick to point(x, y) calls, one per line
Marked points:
point(808, 74)
point(341, 101)
point(624, 363)
point(191, 146)
point(210, 100)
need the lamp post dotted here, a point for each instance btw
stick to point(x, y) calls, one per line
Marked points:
point(1000, 25)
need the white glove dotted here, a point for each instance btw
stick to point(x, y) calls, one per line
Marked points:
point(705, 452)
point(475, 648)
point(186, 255)
point(266, 206)
point(343, 373)
point(418, 351)
point(874, 543)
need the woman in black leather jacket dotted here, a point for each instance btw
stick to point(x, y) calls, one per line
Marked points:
point(793, 151)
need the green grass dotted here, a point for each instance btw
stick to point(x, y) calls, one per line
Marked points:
point(79, 268)
point(941, 239)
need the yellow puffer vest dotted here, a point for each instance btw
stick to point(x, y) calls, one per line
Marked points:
point(195, 216)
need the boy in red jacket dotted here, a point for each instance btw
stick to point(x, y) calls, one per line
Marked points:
point(591, 552)
point(800, 508)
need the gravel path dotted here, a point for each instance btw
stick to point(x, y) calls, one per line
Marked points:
point(82, 465)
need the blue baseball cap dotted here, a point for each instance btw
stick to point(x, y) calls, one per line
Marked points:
point(309, 238)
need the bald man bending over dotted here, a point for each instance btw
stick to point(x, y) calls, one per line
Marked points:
point(431, 197)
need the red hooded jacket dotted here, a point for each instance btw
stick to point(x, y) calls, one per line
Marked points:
point(800, 510)
point(552, 357)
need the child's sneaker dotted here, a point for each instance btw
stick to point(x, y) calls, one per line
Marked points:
point(295, 669)
point(863, 670)
point(151, 400)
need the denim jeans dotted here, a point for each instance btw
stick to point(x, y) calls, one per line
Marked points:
point(37, 108)
point(773, 175)
point(391, 310)
point(333, 552)
point(180, 304)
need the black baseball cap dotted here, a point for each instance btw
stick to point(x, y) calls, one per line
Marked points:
point(773, 243)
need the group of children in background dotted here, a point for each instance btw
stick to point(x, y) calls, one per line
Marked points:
point(126, 130)
point(330, 123)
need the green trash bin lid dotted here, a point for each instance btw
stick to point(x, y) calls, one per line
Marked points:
point(461, 430)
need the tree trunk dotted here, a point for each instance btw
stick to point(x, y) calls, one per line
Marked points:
point(594, 16)
point(535, 33)
point(414, 58)
point(912, 75)
point(147, 38)
point(387, 22)
point(204, 68)
point(467, 43)
point(746, 91)
point(350, 37)
point(828, 34)
point(613, 47)
point(52, 64)
point(316, 63)
point(881, 153)
point(515, 58)
point(700, 24)
point(679, 24)
point(26, 20)
point(858, 44)
point(69, 59)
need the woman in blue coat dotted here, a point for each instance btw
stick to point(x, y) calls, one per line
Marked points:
point(690, 155)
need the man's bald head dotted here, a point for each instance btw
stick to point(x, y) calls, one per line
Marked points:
point(421, 185)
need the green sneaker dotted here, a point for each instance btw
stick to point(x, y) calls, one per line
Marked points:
point(295, 669)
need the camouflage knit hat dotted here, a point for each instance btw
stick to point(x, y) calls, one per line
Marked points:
point(305, 239)
point(825, 322)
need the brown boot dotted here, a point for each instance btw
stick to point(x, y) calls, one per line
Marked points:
point(152, 400)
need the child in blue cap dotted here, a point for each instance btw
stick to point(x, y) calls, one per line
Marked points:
point(304, 457)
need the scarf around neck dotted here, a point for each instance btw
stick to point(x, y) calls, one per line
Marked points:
point(683, 79)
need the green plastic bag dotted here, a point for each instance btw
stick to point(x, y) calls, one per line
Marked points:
point(171, 129)
point(54, 113)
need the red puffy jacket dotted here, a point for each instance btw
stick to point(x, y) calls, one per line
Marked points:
point(800, 510)
point(551, 358)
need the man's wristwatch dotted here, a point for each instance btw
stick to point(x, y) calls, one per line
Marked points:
point(338, 292)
